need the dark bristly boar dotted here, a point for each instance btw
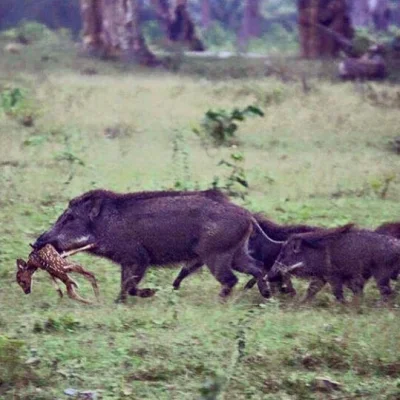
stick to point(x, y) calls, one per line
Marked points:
point(262, 250)
point(136, 230)
point(340, 256)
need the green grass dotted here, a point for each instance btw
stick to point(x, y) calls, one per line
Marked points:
point(319, 157)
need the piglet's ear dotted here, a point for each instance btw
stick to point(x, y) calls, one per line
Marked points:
point(296, 245)
point(96, 208)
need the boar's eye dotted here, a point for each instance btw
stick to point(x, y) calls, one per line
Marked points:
point(69, 218)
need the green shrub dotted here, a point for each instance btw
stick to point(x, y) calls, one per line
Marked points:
point(220, 126)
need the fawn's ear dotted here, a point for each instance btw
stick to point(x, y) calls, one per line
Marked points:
point(21, 264)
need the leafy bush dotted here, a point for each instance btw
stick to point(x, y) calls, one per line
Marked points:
point(220, 126)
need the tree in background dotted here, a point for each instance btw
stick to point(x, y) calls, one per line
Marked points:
point(251, 24)
point(321, 22)
point(111, 28)
point(205, 14)
point(366, 13)
point(177, 23)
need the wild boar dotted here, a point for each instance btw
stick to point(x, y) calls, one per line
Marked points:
point(264, 251)
point(344, 255)
point(136, 230)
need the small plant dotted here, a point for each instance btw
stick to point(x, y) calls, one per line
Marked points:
point(15, 104)
point(220, 126)
point(180, 160)
point(13, 370)
point(69, 156)
point(235, 184)
point(11, 99)
point(380, 186)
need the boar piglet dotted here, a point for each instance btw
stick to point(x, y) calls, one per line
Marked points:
point(340, 256)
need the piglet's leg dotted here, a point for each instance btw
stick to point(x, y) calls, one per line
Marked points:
point(88, 275)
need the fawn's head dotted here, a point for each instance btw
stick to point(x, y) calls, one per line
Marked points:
point(24, 276)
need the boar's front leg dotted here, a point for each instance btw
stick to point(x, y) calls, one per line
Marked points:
point(187, 270)
point(131, 275)
point(337, 288)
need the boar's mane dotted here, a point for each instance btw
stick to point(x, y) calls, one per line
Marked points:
point(213, 194)
point(281, 232)
point(316, 238)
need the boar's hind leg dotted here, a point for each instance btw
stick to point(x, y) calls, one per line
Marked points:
point(315, 286)
point(356, 285)
point(220, 267)
point(248, 265)
point(187, 270)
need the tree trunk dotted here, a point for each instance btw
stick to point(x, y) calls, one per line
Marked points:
point(313, 17)
point(251, 24)
point(161, 8)
point(111, 28)
point(205, 14)
point(182, 28)
point(360, 13)
point(380, 15)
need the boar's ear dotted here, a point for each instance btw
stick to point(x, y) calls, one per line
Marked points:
point(296, 245)
point(96, 208)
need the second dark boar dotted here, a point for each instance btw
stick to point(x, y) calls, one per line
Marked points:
point(136, 230)
point(341, 256)
point(264, 251)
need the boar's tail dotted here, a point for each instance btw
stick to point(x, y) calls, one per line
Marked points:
point(260, 230)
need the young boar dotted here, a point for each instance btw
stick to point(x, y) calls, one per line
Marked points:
point(264, 251)
point(136, 230)
point(339, 256)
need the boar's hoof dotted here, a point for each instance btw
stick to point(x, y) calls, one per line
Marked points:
point(250, 283)
point(263, 288)
point(145, 292)
point(176, 285)
point(290, 291)
point(225, 291)
point(121, 299)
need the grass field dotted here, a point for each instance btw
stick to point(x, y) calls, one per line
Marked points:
point(320, 157)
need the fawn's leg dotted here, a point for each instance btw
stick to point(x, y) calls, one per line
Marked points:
point(71, 292)
point(88, 275)
point(56, 286)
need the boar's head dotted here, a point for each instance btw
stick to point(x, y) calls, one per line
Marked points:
point(304, 253)
point(75, 227)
